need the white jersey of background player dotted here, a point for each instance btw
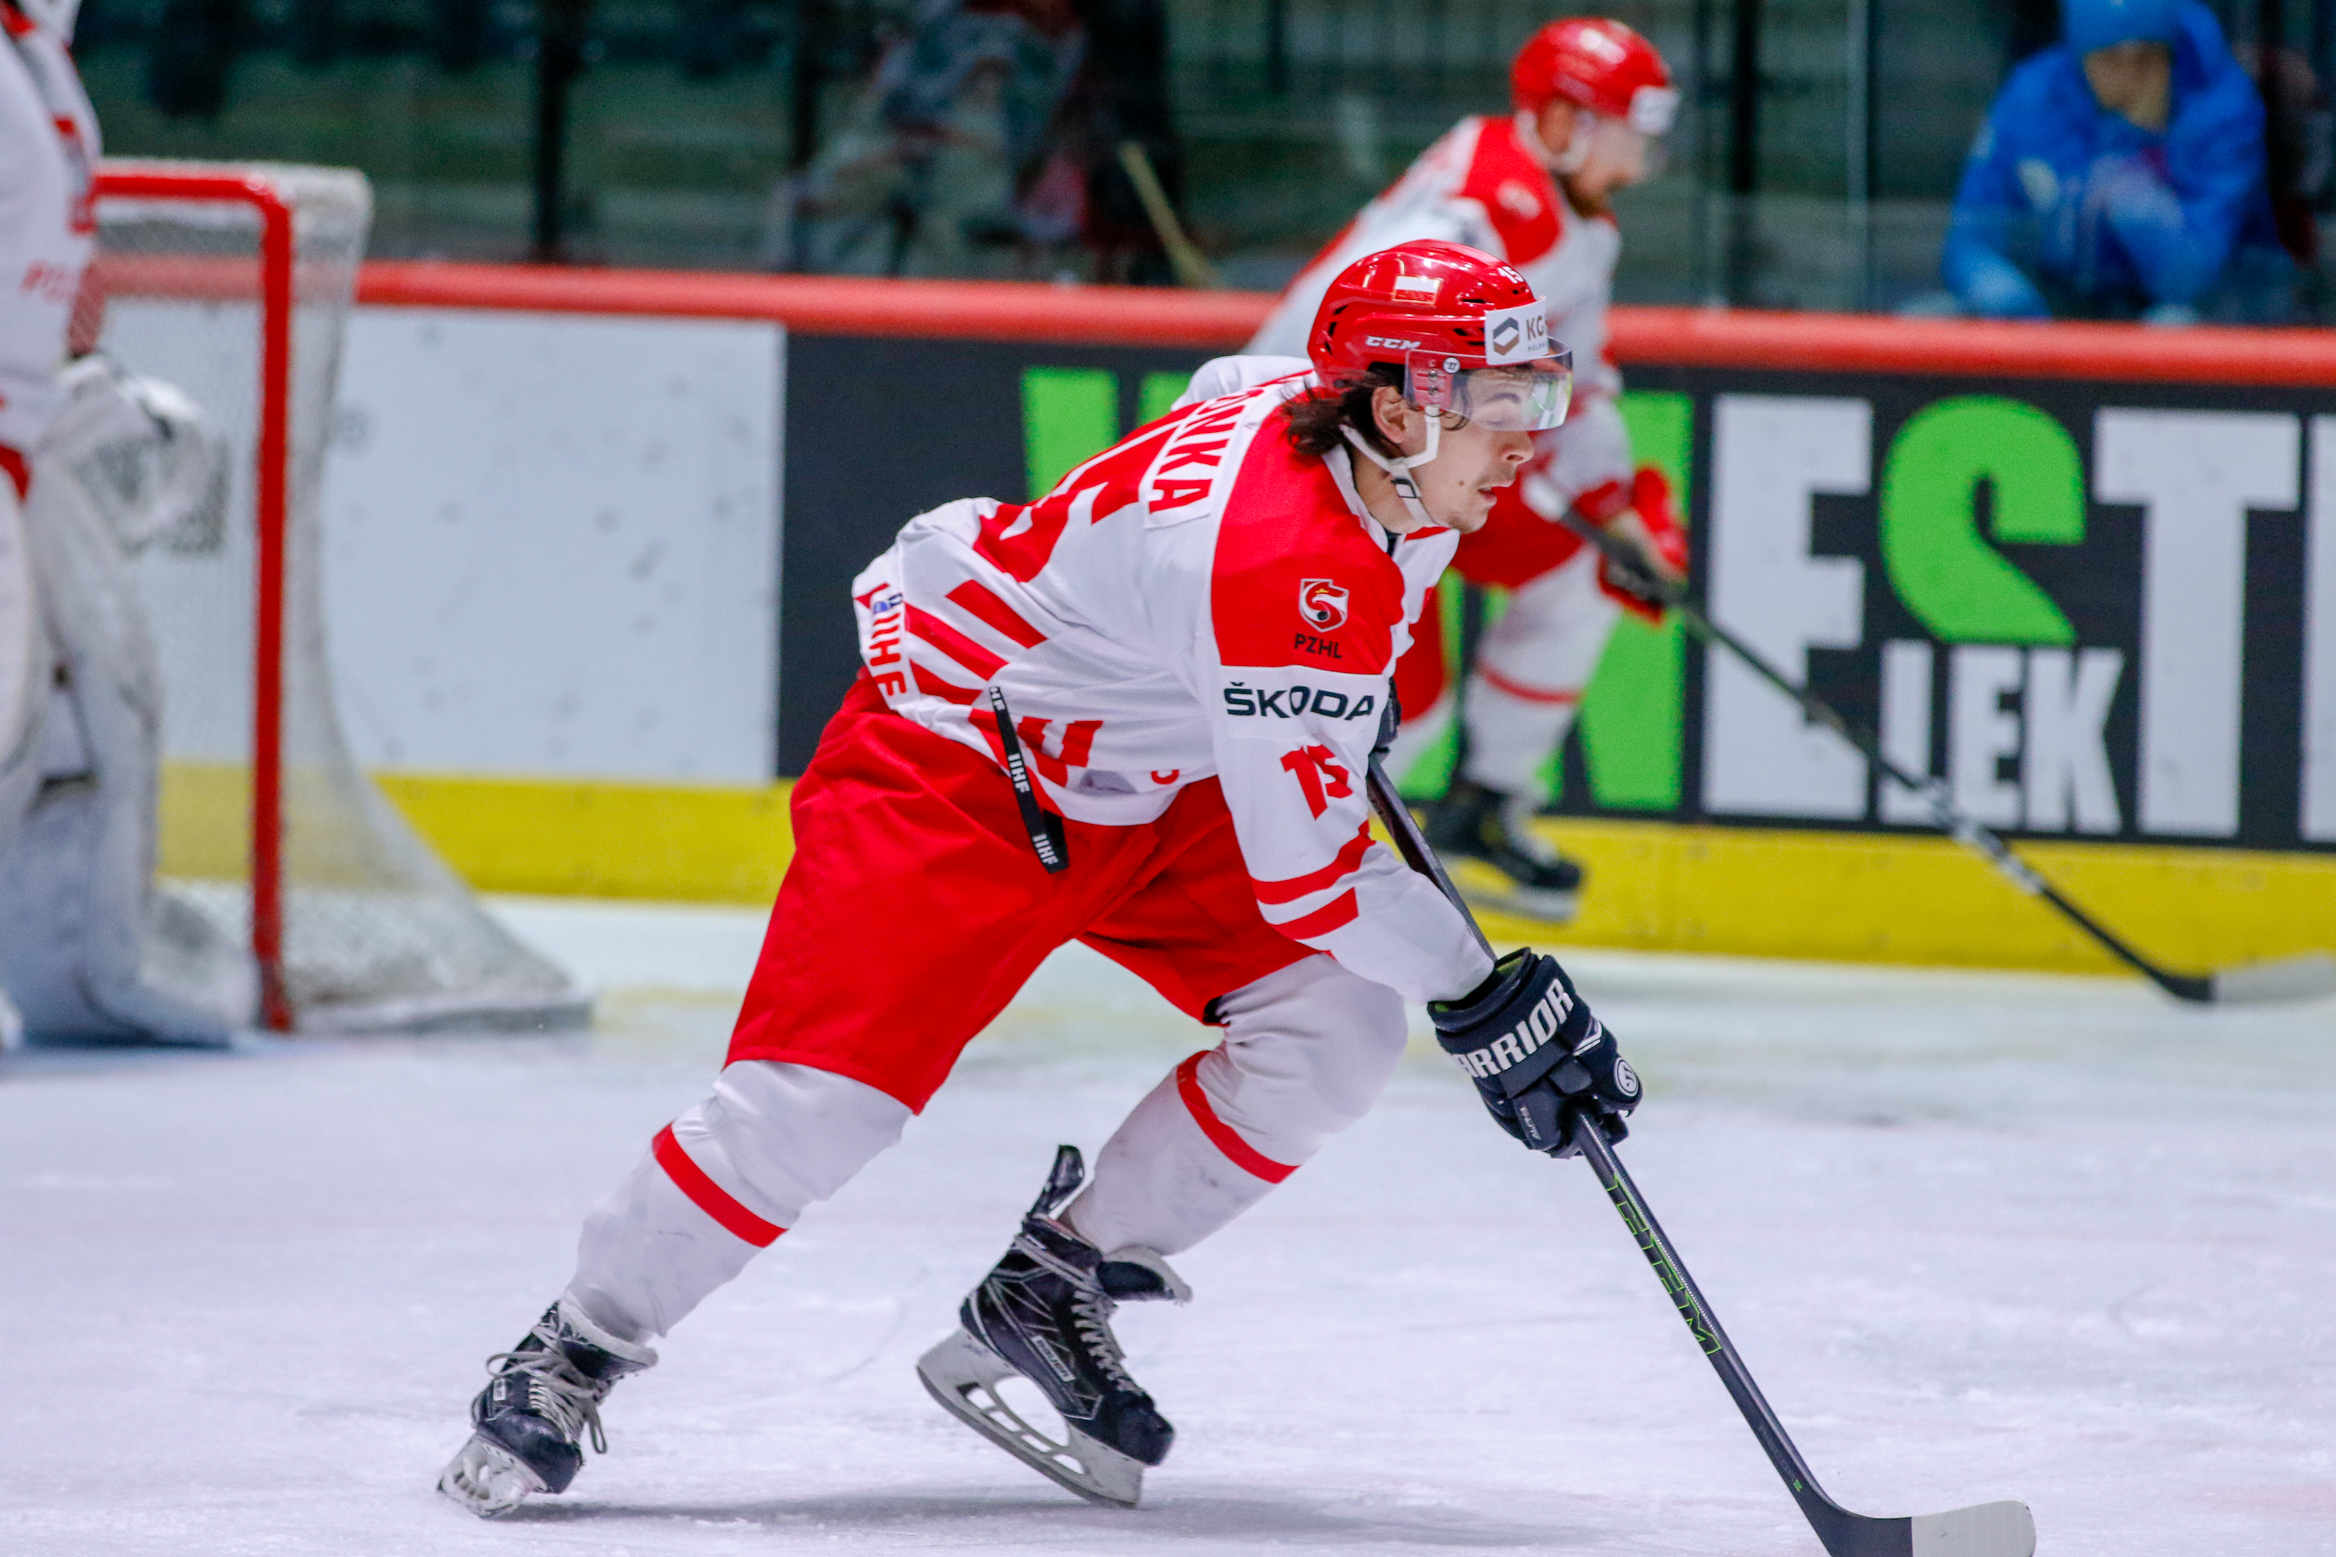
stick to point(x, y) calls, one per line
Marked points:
point(97, 463)
point(1533, 188)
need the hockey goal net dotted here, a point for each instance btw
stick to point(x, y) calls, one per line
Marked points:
point(235, 283)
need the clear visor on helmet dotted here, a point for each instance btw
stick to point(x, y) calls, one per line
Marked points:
point(1519, 397)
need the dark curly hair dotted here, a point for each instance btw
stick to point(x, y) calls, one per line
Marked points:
point(1315, 421)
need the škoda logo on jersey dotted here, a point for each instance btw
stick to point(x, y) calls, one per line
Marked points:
point(1512, 1047)
point(1323, 602)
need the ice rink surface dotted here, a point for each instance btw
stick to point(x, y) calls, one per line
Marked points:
point(1979, 1236)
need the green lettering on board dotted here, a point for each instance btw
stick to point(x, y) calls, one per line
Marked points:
point(1957, 585)
point(1157, 396)
point(1068, 415)
point(1633, 711)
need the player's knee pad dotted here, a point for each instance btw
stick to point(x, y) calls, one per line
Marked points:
point(779, 1136)
point(1307, 1051)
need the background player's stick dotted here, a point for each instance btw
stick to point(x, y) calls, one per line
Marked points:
point(2304, 977)
point(1982, 1530)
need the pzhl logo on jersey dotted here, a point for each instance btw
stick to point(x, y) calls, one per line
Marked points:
point(1512, 1047)
point(1288, 703)
point(1323, 602)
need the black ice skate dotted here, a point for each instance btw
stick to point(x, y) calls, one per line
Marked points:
point(1045, 1313)
point(532, 1417)
point(1527, 876)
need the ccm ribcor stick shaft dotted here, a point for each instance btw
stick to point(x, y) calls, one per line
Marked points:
point(1982, 1530)
point(2288, 978)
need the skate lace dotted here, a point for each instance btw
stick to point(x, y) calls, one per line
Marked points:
point(1091, 1310)
point(555, 1390)
point(1091, 1317)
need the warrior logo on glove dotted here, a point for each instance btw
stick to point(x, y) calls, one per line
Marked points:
point(1540, 1060)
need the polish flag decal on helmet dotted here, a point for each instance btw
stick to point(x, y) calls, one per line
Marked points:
point(1519, 334)
point(1419, 288)
point(1323, 602)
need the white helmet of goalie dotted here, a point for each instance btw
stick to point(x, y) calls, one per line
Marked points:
point(144, 453)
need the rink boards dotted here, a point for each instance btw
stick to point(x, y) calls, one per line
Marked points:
point(2078, 573)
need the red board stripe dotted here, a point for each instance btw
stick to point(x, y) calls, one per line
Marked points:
point(709, 1196)
point(955, 644)
point(977, 599)
point(1245, 1156)
point(1338, 912)
point(1523, 693)
point(1314, 881)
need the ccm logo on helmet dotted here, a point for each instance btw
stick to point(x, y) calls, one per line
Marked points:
point(1390, 343)
point(1322, 601)
point(1511, 1047)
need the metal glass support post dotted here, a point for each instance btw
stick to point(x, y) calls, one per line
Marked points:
point(1743, 150)
point(559, 60)
point(1858, 144)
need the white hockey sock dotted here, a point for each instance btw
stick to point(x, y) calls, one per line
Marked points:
point(720, 1183)
point(1307, 1051)
point(1510, 737)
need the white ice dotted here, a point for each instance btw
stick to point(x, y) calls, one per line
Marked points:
point(1979, 1236)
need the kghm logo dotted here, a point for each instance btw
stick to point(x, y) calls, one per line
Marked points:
point(1505, 336)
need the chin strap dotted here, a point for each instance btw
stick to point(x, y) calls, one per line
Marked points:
point(1399, 471)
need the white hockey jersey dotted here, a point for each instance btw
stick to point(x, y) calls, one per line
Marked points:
point(1480, 185)
point(48, 160)
point(1199, 601)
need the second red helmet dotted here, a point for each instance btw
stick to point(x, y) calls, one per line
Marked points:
point(1600, 64)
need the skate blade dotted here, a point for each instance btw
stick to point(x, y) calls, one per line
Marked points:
point(1486, 886)
point(486, 1479)
point(962, 1374)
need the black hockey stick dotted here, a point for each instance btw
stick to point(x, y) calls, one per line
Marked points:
point(2305, 977)
point(1982, 1530)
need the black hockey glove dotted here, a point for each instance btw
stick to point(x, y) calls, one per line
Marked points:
point(1539, 1059)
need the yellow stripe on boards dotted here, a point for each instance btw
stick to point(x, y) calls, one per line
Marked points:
point(1860, 897)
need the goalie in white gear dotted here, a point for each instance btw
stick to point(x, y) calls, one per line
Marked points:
point(93, 464)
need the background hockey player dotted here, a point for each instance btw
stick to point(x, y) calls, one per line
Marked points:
point(97, 462)
point(1136, 712)
point(1591, 99)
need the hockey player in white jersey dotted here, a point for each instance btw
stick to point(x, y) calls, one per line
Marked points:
point(1136, 712)
point(1591, 99)
point(96, 462)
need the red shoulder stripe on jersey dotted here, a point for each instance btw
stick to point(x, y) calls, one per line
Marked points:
point(1295, 580)
point(926, 681)
point(709, 1196)
point(955, 644)
point(1221, 1135)
point(1517, 194)
point(1314, 881)
point(1517, 689)
point(977, 599)
point(1338, 913)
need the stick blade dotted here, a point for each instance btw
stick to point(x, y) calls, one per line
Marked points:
point(1982, 1530)
point(2308, 977)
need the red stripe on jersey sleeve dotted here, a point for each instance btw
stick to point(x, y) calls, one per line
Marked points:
point(1315, 880)
point(1522, 692)
point(709, 1196)
point(1221, 1135)
point(926, 681)
point(1516, 192)
point(955, 644)
point(977, 599)
point(1338, 913)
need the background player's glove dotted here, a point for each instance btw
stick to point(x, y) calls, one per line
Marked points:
point(1390, 724)
point(1539, 1059)
point(1651, 523)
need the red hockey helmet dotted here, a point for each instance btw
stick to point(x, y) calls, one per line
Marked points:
point(1445, 313)
point(1602, 65)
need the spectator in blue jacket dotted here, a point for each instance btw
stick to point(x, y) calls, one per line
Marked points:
point(2120, 174)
